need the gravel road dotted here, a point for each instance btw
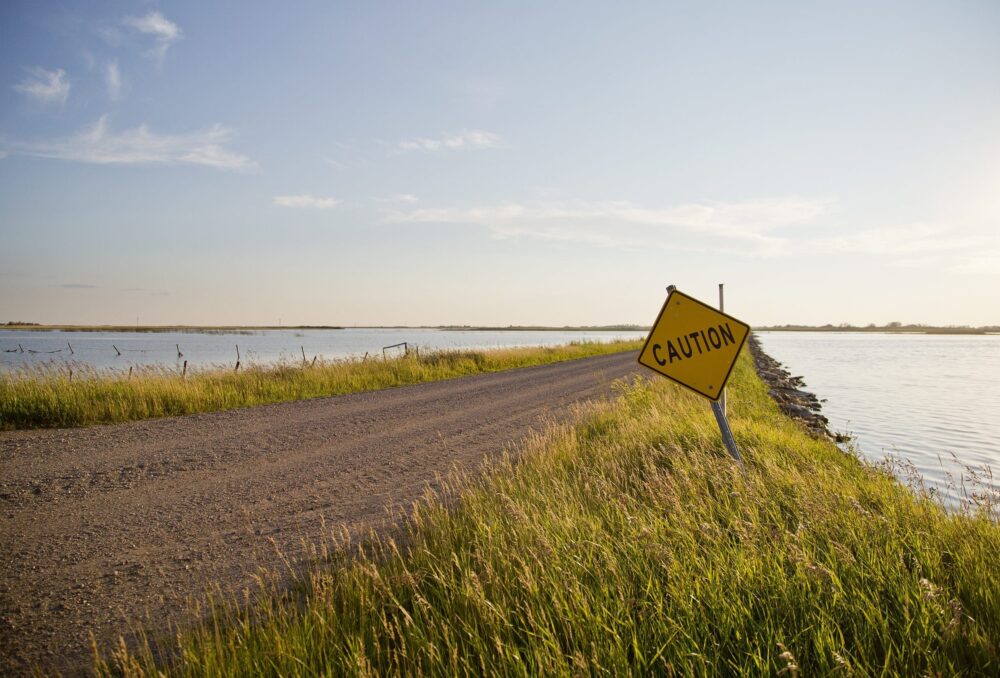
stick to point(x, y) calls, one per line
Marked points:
point(109, 527)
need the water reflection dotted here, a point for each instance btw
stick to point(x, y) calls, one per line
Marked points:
point(120, 350)
point(930, 400)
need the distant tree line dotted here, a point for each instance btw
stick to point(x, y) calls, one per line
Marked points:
point(894, 326)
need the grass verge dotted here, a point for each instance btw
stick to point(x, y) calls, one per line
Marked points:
point(51, 396)
point(630, 544)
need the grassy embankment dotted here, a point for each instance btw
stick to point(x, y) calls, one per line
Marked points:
point(630, 544)
point(50, 396)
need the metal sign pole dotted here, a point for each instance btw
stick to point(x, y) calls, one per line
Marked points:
point(722, 308)
point(727, 434)
point(719, 406)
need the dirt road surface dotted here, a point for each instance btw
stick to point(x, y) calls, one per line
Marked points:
point(109, 527)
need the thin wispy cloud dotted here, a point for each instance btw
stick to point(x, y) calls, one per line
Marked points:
point(920, 246)
point(399, 198)
point(902, 240)
point(161, 29)
point(140, 146)
point(305, 201)
point(766, 227)
point(986, 262)
point(78, 286)
point(746, 227)
point(45, 86)
point(466, 140)
point(113, 80)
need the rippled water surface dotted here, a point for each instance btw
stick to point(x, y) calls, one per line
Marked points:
point(932, 400)
point(120, 350)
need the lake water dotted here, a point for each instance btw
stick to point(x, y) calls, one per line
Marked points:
point(931, 400)
point(100, 350)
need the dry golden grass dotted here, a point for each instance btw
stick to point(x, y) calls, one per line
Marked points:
point(52, 396)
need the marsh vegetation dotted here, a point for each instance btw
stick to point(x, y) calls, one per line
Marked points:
point(57, 395)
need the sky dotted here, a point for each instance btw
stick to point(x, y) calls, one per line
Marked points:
point(506, 163)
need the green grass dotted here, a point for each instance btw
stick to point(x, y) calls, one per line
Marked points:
point(50, 396)
point(630, 543)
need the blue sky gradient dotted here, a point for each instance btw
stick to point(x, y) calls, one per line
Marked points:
point(498, 163)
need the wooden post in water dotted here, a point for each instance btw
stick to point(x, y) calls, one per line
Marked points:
point(70, 347)
point(184, 373)
point(237, 358)
point(116, 350)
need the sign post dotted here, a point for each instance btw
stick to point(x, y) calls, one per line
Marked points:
point(696, 346)
point(727, 434)
point(722, 308)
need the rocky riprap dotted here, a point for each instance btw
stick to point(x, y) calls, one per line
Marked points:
point(786, 391)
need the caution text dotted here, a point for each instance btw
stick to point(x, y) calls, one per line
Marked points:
point(694, 344)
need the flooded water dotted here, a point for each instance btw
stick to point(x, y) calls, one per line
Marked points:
point(931, 400)
point(121, 350)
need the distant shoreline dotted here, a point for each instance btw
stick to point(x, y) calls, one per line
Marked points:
point(221, 329)
point(237, 329)
point(885, 329)
point(208, 329)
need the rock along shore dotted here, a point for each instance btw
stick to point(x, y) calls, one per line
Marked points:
point(786, 391)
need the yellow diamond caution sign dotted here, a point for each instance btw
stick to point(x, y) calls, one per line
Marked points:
point(694, 344)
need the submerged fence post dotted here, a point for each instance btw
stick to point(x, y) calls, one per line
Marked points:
point(237, 358)
point(116, 350)
point(406, 349)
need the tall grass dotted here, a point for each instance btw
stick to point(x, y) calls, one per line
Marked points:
point(52, 396)
point(631, 544)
